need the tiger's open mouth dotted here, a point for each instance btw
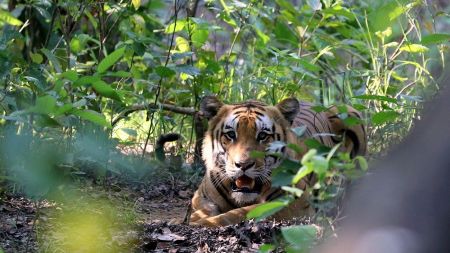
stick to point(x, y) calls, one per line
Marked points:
point(246, 184)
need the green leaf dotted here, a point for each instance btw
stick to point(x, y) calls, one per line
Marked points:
point(257, 154)
point(164, 71)
point(120, 73)
point(71, 75)
point(93, 116)
point(414, 48)
point(319, 108)
point(264, 37)
point(376, 97)
point(436, 38)
point(308, 66)
point(359, 107)
point(265, 210)
point(44, 105)
point(9, 19)
point(51, 57)
point(362, 162)
point(105, 90)
point(265, 248)
point(85, 80)
point(301, 236)
point(383, 117)
point(46, 121)
point(37, 58)
point(63, 109)
point(352, 121)
point(383, 17)
point(110, 60)
point(199, 37)
point(320, 164)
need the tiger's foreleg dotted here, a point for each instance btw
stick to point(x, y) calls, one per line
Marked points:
point(231, 217)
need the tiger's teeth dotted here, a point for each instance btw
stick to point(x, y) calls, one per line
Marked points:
point(245, 182)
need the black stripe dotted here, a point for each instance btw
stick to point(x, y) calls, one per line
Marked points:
point(258, 113)
point(212, 141)
point(274, 194)
point(223, 193)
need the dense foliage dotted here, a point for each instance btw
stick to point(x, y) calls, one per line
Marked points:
point(78, 79)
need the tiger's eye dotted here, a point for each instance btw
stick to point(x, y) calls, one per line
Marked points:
point(262, 136)
point(230, 135)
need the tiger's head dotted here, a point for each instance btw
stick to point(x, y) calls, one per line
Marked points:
point(235, 131)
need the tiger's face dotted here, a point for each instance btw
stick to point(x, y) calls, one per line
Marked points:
point(234, 132)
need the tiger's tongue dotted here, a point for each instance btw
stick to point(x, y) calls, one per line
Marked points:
point(245, 182)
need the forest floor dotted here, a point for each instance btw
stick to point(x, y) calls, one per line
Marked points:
point(140, 222)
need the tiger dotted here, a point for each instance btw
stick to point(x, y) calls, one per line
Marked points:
point(235, 182)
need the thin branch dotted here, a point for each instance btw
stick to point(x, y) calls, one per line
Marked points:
point(158, 91)
point(142, 107)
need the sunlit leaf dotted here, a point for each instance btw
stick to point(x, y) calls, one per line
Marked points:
point(265, 210)
point(414, 48)
point(9, 19)
point(182, 44)
point(175, 27)
point(136, 4)
point(293, 190)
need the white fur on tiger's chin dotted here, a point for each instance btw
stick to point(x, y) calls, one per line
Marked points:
point(243, 198)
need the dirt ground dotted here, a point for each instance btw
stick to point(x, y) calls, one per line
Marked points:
point(152, 209)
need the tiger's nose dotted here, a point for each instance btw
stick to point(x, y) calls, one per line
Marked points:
point(245, 165)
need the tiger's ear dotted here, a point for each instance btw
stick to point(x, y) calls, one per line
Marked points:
point(209, 106)
point(289, 108)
